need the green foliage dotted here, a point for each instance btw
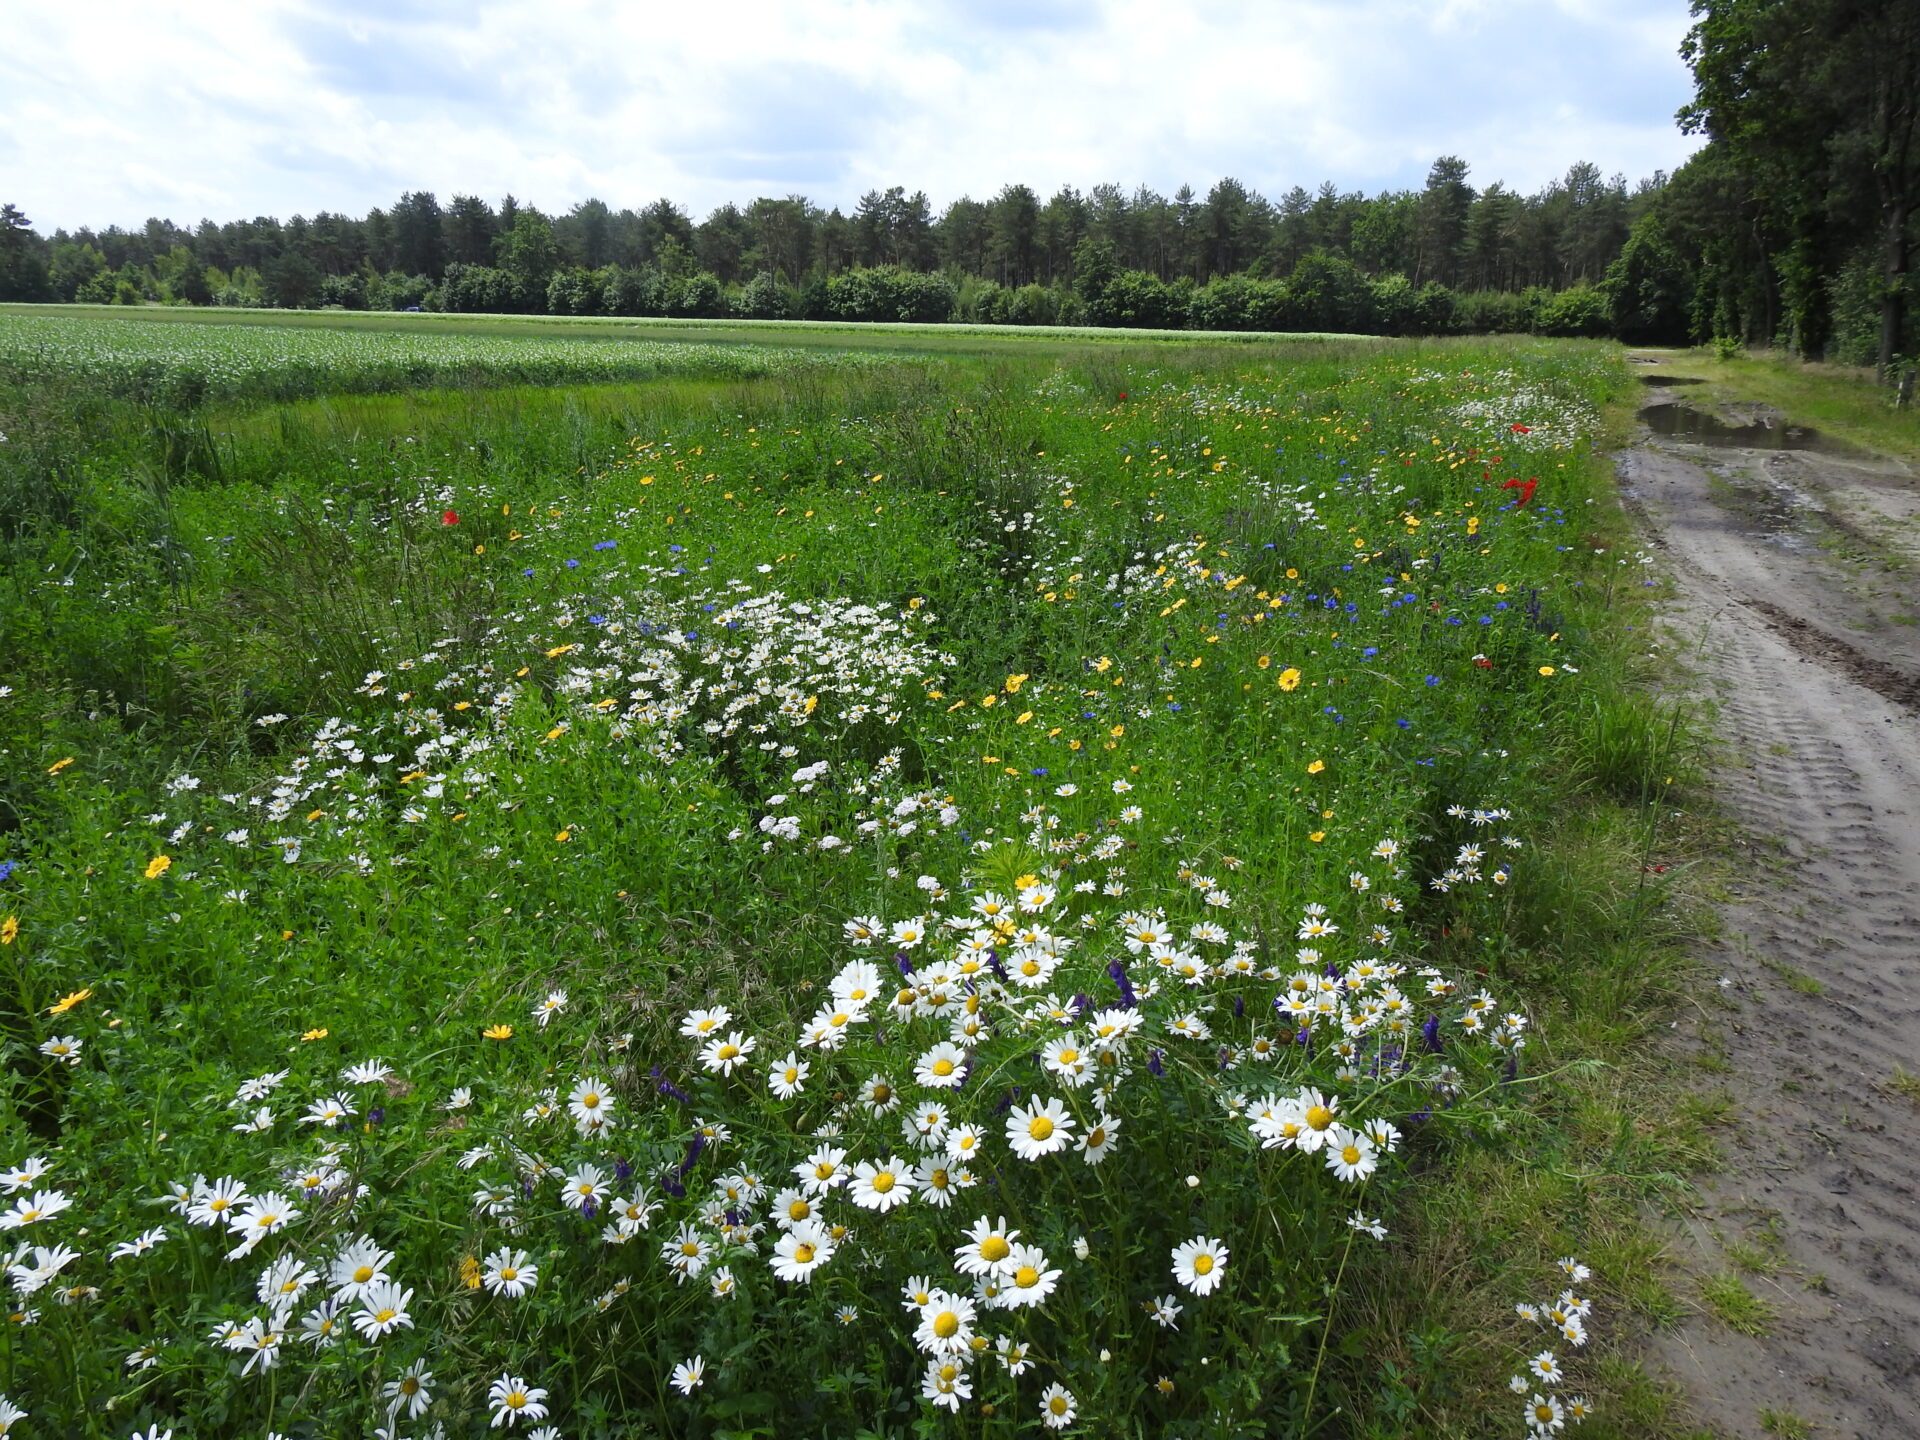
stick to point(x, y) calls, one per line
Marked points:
point(414, 716)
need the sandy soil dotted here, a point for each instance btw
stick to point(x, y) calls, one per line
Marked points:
point(1796, 572)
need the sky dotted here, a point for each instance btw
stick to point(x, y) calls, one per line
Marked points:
point(115, 111)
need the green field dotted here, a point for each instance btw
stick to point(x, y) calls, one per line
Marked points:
point(657, 849)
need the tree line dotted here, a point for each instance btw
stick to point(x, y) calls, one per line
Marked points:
point(1792, 226)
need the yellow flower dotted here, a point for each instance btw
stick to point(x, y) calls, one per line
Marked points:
point(1316, 767)
point(1317, 836)
point(1473, 525)
point(498, 1032)
point(59, 765)
point(564, 836)
point(69, 1002)
point(1289, 679)
point(990, 701)
point(1014, 682)
point(1117, 731)
point(469, 1272)
point(158, 866)
point(318, 1034)
point(1264, 661)
point(1025, 716)
point(1546, 669)
point(9, 928)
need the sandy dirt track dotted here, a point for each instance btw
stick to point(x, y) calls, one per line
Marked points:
point(1799, 576)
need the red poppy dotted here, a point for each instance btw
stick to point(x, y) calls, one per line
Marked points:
point(1123, 394)
point(1525, 487)
point(1521, 429)
point(447, 517)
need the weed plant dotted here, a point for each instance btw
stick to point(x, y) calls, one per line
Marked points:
point(991, 899)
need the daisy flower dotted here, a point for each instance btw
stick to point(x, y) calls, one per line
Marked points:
point(139, 1245)
point(508, 1273)
point(359, 1265)
point(24, 1174)
point(1057, 1406)
point(1097, 1143)
point(411, 1392)
point(587, 1185)
point(945, 1384)
point(513, 1400)
point(964, 1142)
point(946, 1324)
point(1067, 1059)
point(1166, 1312)
point(555, 1002)
point(329, 1112)
point(63, 1048)
point(42, 1205)
point(1544, 1415)
point(801, 1251)
point(1350, 1154)
point(787, 1076)
point(825, 1169)
point(881, 1184)
point(590, 1102)
point(943, 1067)
point(989, 1245)
point(935, 1182)
point(383, 1309)
point(689, 1375)
point(723, 1056)
point(1039, 1128)
point(1200, 1264)
point(1027, 1279)
point(1014, 1355)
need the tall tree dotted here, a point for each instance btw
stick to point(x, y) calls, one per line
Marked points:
point(1818, 102)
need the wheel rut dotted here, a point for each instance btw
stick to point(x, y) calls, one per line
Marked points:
point(1801, 646)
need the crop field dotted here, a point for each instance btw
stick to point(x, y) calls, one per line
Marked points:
point(720, 891)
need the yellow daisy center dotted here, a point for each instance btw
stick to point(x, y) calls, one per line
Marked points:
point(689, 1248)
point(384, 1316)
point(799, 1210)
point(1350, 1154)
point(509, 1274)
point(1026, 1277)
point(994, 1249)
point(363, 1274)
point(1058, 1404)
point(943, 1066)
point(1096, 1137)
point(883, 1181)
point(1319, 1117)
point(1040, 1127)
point(803, 1254)
point(1069, 1056)
point(946, 1324)
point(1203, 1264)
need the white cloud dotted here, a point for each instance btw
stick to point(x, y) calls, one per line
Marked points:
point(121, 110)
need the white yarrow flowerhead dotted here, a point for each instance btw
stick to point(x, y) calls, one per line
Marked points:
point(1200, 1264)
point(1039, 1128)
point(689, 1375)
point(513, 1400)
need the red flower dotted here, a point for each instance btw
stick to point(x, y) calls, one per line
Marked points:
point(1123, 394)
point(1483, 662)
point(447, 517)
point(1525, 487)
point(1521, 429)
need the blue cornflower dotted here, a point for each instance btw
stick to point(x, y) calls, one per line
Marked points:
point(596, 619)
point(605, 544)
point(1041, 771)
point(1433, 679)
point(527, 573)
point(1404, 724)
point(573, 564)
point(1370, 651)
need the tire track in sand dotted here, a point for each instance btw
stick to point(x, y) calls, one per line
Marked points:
point(1819, 959)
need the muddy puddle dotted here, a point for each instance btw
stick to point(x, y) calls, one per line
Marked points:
point(1671, 380)
point(1696, 427)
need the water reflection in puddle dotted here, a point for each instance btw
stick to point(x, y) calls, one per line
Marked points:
point(1696, 427)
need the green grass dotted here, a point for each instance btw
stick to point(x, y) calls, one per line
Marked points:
point(959, 339)
point(1229, 599)
point(1730, 1302)
point(1785, 1424)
